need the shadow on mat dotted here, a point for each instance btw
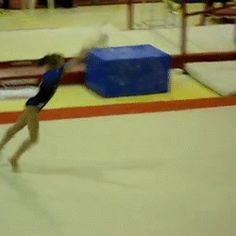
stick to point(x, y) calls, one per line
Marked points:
point(97, 173)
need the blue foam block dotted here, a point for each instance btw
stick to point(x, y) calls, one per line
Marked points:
point(130, 70)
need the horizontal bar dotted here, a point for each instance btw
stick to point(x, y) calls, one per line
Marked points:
point(210, 10)
point(178, 61)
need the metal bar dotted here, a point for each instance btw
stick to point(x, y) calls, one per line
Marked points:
point(210, 10)
point(178, 61)
point(130, 15)
point(184, 28)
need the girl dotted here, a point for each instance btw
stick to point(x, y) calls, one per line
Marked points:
point(55, 67)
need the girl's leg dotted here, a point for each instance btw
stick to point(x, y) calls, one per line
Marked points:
point(20, 124)
point(33, 126)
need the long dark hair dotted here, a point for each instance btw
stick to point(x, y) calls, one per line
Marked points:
point(53, 60)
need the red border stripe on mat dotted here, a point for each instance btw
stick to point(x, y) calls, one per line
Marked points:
point(106, 110)
point(134, 108)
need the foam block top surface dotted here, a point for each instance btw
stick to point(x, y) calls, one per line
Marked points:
point(128, 52)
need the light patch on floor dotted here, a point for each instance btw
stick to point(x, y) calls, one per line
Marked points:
point(80, 16)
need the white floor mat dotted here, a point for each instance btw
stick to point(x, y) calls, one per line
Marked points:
point(32, 44)
point(210, 38)
point(219, 76)
point(24, 92)
point(158, 174)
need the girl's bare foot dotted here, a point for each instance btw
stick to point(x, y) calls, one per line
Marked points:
point(14, 164)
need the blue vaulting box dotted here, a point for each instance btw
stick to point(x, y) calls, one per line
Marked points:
point(129, 70)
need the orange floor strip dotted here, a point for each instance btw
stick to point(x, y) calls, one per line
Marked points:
point(106, 110)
